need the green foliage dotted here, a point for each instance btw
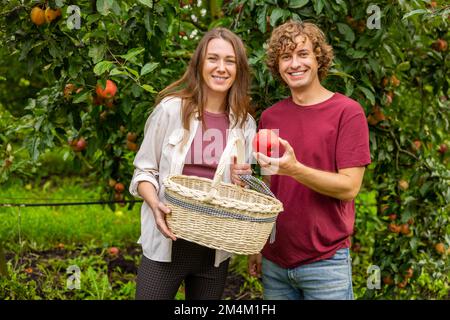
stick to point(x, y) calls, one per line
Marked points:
point(398, 73)
point(45, 276)
point(44, 227)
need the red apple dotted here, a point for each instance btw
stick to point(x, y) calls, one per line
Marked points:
point(108, 92)
point(417, 143)
point(78, 144)
point(131, 136)
point(387, 280)
point(443, 148)
point(119, 187)
point(266, 141)
point(392, 216)
point(114, 251)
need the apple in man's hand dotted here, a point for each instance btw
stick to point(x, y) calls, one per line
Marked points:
point(266, 142)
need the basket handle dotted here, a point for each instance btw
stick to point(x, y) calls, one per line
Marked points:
point(224, 161)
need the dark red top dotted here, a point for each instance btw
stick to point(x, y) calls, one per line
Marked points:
point(327, 136)
point(207, 147)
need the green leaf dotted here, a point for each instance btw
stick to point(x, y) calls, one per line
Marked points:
point(341, 74)
point(132, 53)
point(403, 66)
point(346, 31)
point(133, 72)
point(97, 53)
point(261, 19)
point(375, 66)
point(148, 22)
point(102, 67)
point(369, 95)
point(117, 71)
point(104, 6)
point(356, 53)
point(54, 50)
point(34, 148)
point(276, 14)
point(149, 67)
point(318, 6)
point(81, 97)
point(163, 24)
point(148, 3)
point(148, 88)
point(423, 190)
point(414, 12)
point(296, 4)
point(349, 88)
point(116, 8)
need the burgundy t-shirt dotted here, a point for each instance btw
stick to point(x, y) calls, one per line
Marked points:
point(328, 136)
point(207, 147)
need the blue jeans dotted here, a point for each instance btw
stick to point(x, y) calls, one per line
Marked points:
point(329, 279)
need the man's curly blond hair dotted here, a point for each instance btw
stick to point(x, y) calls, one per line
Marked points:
point(283, 39)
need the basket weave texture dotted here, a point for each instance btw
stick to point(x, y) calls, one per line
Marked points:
point(220, 215)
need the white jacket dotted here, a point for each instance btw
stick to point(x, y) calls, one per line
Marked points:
point(162, 153)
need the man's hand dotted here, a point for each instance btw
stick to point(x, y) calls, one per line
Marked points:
point(343, 185)
point(239, 169)
point(254, 265)
point(281, 166)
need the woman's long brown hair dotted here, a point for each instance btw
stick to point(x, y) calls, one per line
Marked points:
point(190, 86)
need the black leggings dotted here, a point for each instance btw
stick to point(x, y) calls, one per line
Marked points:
point(192, 263)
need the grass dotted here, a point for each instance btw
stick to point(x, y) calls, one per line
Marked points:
point(45, 227)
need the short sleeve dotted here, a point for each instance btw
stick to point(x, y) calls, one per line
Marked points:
point(352, 148)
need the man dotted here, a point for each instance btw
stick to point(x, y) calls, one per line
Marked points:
point(326, 148)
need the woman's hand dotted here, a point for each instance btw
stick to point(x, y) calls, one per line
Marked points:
point(147, 191)
point(159, 212)
point(239, 169)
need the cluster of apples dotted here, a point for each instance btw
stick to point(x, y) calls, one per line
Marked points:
point(119, 189)
point(131, 141)
point(40, 16)
point(376, 116)
point(105, 96)
point(407, 274)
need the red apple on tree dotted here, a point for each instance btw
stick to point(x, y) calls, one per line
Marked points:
point(443, 148)
point(392, 216)
point(108, 92)
point(131, 136)
point(78, 144)
point(266, 142)
point(119, 187)
point(132, 146)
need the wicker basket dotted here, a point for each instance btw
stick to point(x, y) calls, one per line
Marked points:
point(220, 215)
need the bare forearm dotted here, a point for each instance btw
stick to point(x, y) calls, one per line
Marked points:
point(336, 185)
point(148, 192)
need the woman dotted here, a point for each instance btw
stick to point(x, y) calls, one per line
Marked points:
point(186, 133)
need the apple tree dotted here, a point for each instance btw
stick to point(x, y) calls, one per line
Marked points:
point(83, 78)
